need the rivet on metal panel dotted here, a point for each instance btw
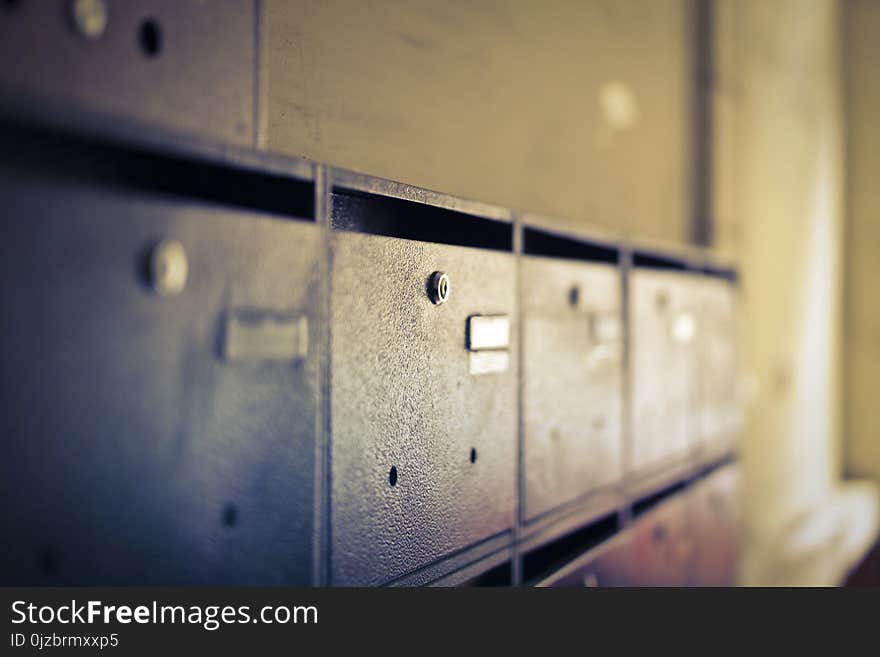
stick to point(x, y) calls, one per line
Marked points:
point(168, 268)
point(439, 287)
point(89, 17)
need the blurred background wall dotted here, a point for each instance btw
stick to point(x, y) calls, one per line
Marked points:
point(580, 110)
point(779, 162)
point(588, 111)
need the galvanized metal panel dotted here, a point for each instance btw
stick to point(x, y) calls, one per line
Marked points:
point(134, 450)
point(403, 397)
point(664, 366)
point(572, 354)
point(185, 64)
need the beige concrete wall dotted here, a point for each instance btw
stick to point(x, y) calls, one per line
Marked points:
point(861, 53)
point(578, 109)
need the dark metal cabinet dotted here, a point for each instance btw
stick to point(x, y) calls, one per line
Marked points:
point(664, 366)
point(720, 412)
point(572, 354)
point(715, 523)
point(153, 432)
point(423, 420)
point(184, 64)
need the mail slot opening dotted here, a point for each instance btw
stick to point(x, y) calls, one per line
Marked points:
point(657, 261)
point(157, 171)
point(545, 243)
point(393, 217)
point(548, 558)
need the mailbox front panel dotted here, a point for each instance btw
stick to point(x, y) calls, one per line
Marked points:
point(663, 366)
point(662, 546)
point(183, 64)
point(572, 351)
point(424, 429)
point(720, 413)
point(715, 522)
point(609, 566)
point(165, 410)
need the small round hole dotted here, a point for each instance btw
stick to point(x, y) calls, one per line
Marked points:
point(392, 475)
point(473, 455)
point(230, 515)
point(574, 296)
point(150, 37)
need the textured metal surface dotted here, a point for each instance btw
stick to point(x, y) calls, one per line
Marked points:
point(720, 411)
point(179, 63)
point(402, 396)
point(132, 451)
point(571, 380)
point(663, 365)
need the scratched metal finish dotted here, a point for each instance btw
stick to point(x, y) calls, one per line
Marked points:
point(402, 396)
point(664, 368)
point(571, 381)
point(720, 411)
point(132, 451)
point(200, 79)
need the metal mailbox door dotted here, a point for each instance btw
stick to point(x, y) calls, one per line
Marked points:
point(662, 547)
point(572, 351)
point(664, 361)
point(715, 513)
point(608, 565)
point(720, 410)
point(183, 64)
point(156, 353)
point(423, 404)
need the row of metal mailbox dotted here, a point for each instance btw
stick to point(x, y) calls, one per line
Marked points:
point(200, 393)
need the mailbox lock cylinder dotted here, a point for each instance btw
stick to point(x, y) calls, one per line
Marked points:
point(438, 287)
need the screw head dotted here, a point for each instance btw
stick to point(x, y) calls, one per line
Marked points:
point(89, 17)
point(168, 268)
point(439, 287)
